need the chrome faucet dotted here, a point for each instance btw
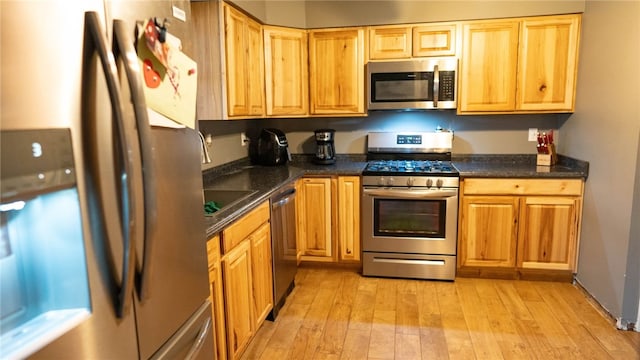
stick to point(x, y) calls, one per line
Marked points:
point(204, 152)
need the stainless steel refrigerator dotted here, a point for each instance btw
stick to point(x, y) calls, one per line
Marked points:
point(71, 65)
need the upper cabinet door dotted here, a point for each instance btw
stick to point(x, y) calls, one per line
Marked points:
point(255, 61)
point(236, 60)
point(286, 71)
point(548, 63)
point(434, 40)
point(244, 64)
point(390, 42)
point(336, 60)
point(488, 66)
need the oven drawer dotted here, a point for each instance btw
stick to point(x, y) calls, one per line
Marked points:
point(439, 267)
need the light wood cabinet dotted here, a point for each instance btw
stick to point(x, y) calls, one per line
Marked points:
point(390, 42)
point(434, 40)
point(336, 71)
point(487, 80)
point(519, 65)
point(247, 278)
point(244, 60)
point(262, 271)
point(286, 71)
point(328, 218)
point(315, 218)
point(238, 295)
point(548, 63)
point(548, 233)
point(349, 218)
point(519, 227)
point(406, 41)
point(488, 231)
point(217, 296)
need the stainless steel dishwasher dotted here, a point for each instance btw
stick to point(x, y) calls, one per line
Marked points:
point(283, 245)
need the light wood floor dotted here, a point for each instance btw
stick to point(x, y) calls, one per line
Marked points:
point(338, 314)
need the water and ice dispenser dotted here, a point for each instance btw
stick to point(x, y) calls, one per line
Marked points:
point(44, 289)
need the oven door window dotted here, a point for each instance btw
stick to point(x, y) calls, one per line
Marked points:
point(404, 86)
point(409, 218)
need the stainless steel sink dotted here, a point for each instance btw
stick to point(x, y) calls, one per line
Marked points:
point(226, 197)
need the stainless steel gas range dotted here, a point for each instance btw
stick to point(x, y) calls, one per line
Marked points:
point(410, 206)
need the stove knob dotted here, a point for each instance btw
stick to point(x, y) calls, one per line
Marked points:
point(439, 183)
point(410, 181)
point(381, 181)
point(390, 182)
point(429, 183)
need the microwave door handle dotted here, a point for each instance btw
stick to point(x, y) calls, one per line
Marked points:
point(436, 85)
point(123, 47)
point(117, 228)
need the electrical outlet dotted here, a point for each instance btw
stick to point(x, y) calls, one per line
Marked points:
point(243, 139)
point(533, 134)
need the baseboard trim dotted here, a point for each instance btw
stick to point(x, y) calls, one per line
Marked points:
point(617, 322)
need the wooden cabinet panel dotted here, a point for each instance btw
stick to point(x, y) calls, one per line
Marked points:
point(349, 217)
point(547, 63)
point(336, 71)
point(488, 66)
point(315, 218)
point(488, 231)
point(239, 230)
point(206, 21)
point(286, 71)
point(328, 218)
point(548, 233)
point(389, 42)
point(238, 295)
point(217, 296)
point(244, 64)
point(434, 40)
point(255, 54)
point(534, 222)
point(236, 61)
point(261, 268)
point(523, 187)
point(519, 65)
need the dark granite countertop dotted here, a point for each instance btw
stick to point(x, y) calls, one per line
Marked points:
point(518, 166)
point(265, 180)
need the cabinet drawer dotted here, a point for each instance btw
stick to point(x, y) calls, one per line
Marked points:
point(522, 187)
point(240, 229)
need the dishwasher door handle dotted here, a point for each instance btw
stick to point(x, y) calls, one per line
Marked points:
point(283, 198)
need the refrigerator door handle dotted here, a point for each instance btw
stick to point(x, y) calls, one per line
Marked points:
point(200, 339)
point(123, 47)
point(118, 228)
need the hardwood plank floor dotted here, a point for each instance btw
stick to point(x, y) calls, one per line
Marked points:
point(335, 313)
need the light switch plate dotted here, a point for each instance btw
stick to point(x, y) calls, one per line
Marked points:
point(533, 134)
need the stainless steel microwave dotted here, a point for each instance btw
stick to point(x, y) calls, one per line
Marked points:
point(413, 84)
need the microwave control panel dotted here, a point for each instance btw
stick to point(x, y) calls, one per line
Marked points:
point(447, 85)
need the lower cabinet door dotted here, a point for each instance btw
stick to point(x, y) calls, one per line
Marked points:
point(262, 272)
point(236, 273)
point(488, 231)
point(548, 233)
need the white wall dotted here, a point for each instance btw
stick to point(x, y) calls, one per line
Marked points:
point(604, 131)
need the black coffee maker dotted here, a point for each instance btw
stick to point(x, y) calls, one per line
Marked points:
point(326, 151)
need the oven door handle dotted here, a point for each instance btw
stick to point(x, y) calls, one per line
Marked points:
point(413, 194)
point(409, 261)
